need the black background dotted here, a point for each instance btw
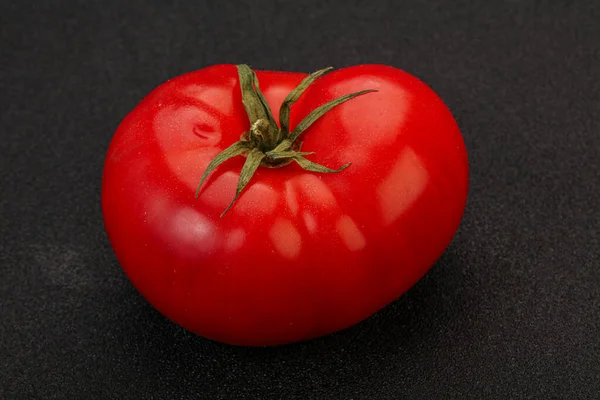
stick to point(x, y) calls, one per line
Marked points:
point(510, 311)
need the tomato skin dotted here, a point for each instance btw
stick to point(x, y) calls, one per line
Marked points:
point(300, 254)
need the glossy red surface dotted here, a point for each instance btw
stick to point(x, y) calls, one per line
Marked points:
point(300, 254)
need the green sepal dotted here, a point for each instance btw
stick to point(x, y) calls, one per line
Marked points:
point(287, 154)
point(253, 160)
point(314, 167)
point(252, 102)
point(285, 145)
point(232, 151)
point(268, 112)
point(317, 113)
point(293, 96)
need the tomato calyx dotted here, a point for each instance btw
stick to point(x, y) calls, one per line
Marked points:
point(267, 143)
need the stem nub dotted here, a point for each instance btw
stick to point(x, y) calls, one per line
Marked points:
point(266, 143)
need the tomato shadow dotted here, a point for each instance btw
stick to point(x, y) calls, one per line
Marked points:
point(405, 335)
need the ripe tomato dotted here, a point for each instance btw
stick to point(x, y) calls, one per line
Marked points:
point(303, 251)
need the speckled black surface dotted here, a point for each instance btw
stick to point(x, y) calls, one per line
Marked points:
point(512, 310)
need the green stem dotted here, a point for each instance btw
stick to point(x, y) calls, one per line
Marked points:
point(265, 143)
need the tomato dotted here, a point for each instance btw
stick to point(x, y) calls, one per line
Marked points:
point(308, 248)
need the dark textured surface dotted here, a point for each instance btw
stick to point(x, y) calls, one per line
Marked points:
point(512, 310)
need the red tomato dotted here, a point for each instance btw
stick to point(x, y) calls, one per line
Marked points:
point(299, 254)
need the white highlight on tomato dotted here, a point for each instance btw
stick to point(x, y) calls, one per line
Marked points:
point(285, 238)
point(403, 185)
point(194, 231)
point(235, 239)
point(315, 190)
point(291, 198)
point(309, 221)
point(350, 234)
